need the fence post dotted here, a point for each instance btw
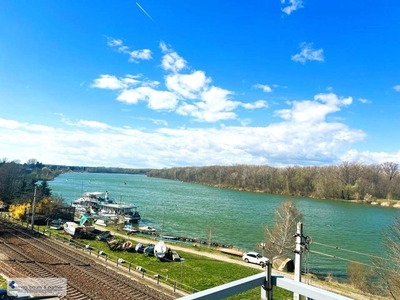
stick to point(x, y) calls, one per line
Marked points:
point(129, 269)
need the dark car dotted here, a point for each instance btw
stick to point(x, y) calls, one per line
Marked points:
point(56, 224)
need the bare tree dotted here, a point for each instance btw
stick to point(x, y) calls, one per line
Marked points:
point(279, 239)
point(390, 170)
point(389, 270)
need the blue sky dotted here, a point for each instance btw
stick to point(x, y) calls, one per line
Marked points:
point(190, 83)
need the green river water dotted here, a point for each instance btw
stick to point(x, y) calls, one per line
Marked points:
point(237, 218)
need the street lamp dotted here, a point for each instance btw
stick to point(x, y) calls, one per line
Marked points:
point(262, 249)
point(182, 260)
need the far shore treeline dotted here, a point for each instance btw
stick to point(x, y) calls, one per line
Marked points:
point(347, 181)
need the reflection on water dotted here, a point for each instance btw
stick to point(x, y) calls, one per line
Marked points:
point(238, 217)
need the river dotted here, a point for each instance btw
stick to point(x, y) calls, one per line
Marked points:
point(236, 217)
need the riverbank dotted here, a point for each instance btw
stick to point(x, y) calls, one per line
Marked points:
point(376, 202)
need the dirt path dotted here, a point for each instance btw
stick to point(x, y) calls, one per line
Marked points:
point(332, 287)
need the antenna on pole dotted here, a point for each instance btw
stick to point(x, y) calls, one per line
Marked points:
point(297, 257)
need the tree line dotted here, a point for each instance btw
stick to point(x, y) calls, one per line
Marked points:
point(18, 181)
point(348, 181)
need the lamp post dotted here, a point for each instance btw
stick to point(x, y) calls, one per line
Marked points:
point(262, 249)
point(33, 209)
point(182, 260)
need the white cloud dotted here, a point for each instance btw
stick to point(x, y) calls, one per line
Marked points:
point(157, 100)
point(114, 42)
point(257, 104)
point(154, 121)
point(111, 82)
point(308, 53)
point(10, 124)
point(137, 55)
point(93, 124)
point(365, 101)
point(294, 5)
point(187, 85)
point(302, 136)
point(171, 61)
point(368, 157)
point(397, 88)
point(108, 82)
point(264, 87)
point(134, 56)
point(308, 111)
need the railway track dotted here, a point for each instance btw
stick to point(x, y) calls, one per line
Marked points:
point(28, 254)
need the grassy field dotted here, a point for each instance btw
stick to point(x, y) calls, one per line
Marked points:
point(196, 272)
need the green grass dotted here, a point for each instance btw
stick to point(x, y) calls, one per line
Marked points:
point(197, 271)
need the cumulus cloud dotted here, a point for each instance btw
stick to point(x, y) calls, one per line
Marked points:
point(369, 157)
point(301, 135)
point(292, 5)
point(188, 92)
point(289, 141)
point(171, 61)
point(264, 87)
point(134, 56)
point(308, 111)
point(397, 88)
point(157, 100)
point(187, 85)
point(308, 53)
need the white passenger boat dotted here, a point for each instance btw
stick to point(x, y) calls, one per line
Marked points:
point(100, 206)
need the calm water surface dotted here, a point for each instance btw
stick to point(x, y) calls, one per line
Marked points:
point(237, 218)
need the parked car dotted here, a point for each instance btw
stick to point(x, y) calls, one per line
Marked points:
point(255, 258)
point(56, 224)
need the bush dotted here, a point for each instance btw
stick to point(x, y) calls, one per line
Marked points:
point(359, 276)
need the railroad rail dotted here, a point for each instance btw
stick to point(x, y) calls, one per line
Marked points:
point(27, 253)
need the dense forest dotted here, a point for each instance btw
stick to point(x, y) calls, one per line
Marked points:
point(348, 181)
point(18, 181)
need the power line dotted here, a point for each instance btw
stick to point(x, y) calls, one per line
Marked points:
point(351, 251)
point(349, 260)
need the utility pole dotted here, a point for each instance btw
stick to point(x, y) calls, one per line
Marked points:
point(33, 209)
point(297, 257)
point(266, 290)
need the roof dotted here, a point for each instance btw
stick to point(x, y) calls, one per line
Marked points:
point(116, 205)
